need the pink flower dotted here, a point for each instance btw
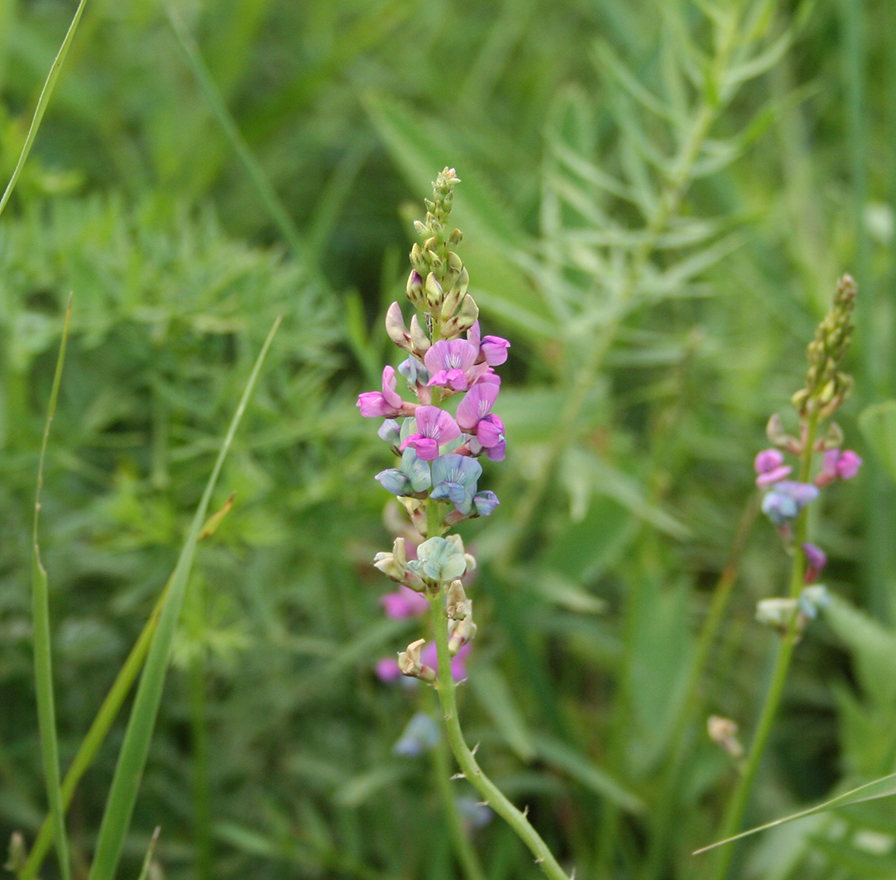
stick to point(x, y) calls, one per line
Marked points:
point(404, 602)
point(838, 465)
point(475, 417)
point(387, 404)
point(491, 349)
point(387, 670)
point(769, 464)
point(452, 364)
point(435, 428)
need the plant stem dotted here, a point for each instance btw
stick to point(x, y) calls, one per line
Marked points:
point(737, 806)
point(690, 707)
point(466, 854)
point(471, 770)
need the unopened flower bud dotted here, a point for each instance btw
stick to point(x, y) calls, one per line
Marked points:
point(418, 260)
point(434, 293)
point(18, 854)
point(777, 613)
point(461, 630)
point(415, 289)
point(464, 318)
point(833, 439)
point(777, 436)
point(419, 339)
point(453, 267)
point(395, 326)
point(455, 601)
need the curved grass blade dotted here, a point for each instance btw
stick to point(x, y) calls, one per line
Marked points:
point(45, 94)
point(43, 660)
point(884, 787)
point(134, 749)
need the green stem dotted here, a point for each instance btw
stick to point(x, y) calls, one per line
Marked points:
point(690, 707)
point(463, 848)
point(43, 657)
point(471, 770)
point(737, 806)
point(201, 801)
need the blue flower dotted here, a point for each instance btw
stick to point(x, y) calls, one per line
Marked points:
point(784, 500)
point(413, 476)
point(454, 477)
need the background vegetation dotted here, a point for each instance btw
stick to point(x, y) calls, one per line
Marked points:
point(657, 200)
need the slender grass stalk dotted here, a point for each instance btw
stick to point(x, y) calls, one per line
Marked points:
point(202, 825)
point(463, 848)
point(470, 768)
point(737, 805)
point(665, 802)
point(260, 181)
point(42, 102)
point(43, 658)
point(135, 748)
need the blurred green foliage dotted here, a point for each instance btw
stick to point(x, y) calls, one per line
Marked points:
point(657, 199)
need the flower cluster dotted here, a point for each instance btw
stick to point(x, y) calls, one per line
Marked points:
point(441, 432)
point(438, 449)
point(785, 498)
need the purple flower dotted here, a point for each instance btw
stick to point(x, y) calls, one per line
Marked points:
point(403, 603)
point(783, 502)
point(838, 465)
point(815, 562)
point(452, 364)
point(454, 478)
point(435, 428)
point(491, 349)
point(387, 404)
point(485, 502)
point(387, 670)
point(474, 416)
point(429, 657)
point(769, 464)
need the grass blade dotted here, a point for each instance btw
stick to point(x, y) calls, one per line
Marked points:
point(884, 787)
point(43, 660)
point(134, 749)
point(45, 94)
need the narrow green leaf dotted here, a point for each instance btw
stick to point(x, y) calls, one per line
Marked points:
point(147, 859)
point(134, 749)
point(880, 788)
point(635, 88)
point(43, 658)
point(42, 103)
